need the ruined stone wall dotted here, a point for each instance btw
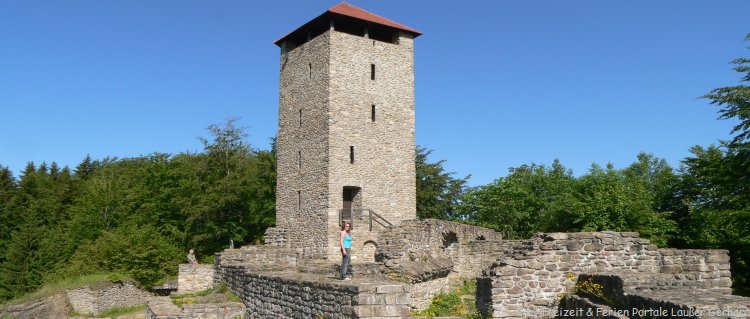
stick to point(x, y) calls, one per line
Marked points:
point(299, 295)
point(257, 258)
point(95, 301)
point(532, 280)
point(429, 253)
point(469, 248)
point(421, 293)
point(193, 278)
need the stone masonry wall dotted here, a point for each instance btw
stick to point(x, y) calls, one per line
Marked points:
point(532, 280)
point(194, 278)
point(325, 109)
point(470, 248)
point(429, 253)
point(256, 258)
point(302, 148)
point(384, 149)
point(300, 295)
point(89, 301)
point(421, 293)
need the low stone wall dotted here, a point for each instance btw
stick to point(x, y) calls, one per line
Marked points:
point(163, 308)
point(422, 292)
point(259, 257)
point(430, 253)
point(303, 295)
point(255, 258)
point(529, 282)
point(194, 278)
point(698, 268)
point(477, 256)
point(421, 239)
point(95, 301)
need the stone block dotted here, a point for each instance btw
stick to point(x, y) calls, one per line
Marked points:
point(671, 269)
point(368, 299)
point(397, 299)
point(381, 311)
point(387, 289)
point(717, 258)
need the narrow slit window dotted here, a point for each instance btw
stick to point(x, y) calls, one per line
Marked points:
point(299, 159)
point(310, 66)
point(372, 113)
point(351, 154)
point(372, 71)
point(300, 117)
point(299, 200)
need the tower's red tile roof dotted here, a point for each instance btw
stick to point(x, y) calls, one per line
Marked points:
point(346, 9)
point(355, 12)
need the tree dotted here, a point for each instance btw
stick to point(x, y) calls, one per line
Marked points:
point(438, 192)
point(735, 100)
point(8, 188)
point(715, 190)
point(715, 184)
point(233, 191)
point(86, 168)
point(619, 200)
point(532, 198)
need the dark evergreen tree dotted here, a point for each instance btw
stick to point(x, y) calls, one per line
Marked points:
point(438, 192)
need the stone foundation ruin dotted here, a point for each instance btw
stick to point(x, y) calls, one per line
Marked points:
point(531, 278)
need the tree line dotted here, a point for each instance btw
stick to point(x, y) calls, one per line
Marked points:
point(138, 216)
point(703, 203)
point(132, 216)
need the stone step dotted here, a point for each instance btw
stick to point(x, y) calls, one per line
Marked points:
point(382, 311)
point(382, 301)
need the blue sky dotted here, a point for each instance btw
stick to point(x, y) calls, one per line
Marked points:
point(498, 83)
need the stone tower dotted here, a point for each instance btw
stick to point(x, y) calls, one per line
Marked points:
point(345, 143)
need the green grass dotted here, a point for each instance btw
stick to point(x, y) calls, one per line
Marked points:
point(116, 312)
point(112, 313)
point(196, 297)
point(96, 281)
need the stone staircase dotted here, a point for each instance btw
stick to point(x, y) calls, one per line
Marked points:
point(382, 301)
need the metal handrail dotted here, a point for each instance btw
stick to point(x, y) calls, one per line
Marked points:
point(371, 216)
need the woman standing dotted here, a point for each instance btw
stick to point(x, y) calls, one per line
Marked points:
point(345, 241)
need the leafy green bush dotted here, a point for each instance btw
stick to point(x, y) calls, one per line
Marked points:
point(140, 252)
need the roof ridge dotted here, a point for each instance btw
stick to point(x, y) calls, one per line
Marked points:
point(347, 9)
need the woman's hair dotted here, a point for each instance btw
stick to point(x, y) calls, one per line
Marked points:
point(344, 225)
